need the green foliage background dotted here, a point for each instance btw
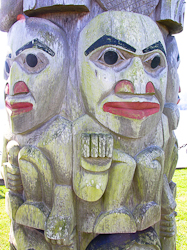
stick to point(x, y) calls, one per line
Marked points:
point(180, 178)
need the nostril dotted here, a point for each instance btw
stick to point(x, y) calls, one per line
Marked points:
point(124, 86)
point(7, 89)
point(20, 88)
point(150, 88)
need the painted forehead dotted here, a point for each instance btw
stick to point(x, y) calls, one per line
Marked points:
point(130, 31)
point(46, 37)
point(109, 40)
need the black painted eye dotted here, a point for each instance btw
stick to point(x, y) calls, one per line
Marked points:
point(178, 58)
point(110, 57)
point(31, 60)
point(155, 62)
point(7, 68)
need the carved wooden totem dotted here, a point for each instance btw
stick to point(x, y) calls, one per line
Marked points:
point(91, 92)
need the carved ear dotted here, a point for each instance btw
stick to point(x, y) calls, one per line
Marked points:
point(171, 15)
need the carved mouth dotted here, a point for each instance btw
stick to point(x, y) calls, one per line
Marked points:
point(133, 110)
point(19, 108)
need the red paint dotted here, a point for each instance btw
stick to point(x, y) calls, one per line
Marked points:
point(124, 86)
point(7, 89)
point(134, 110)
point(20, 88)
point(178, 100)
point(19, 108)
point(150, 88)
point(20, 17)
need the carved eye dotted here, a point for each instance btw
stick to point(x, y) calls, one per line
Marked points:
point(31, 60)
point(110, 57)
point(32, 63)
point(155, 62)
point(7, 68)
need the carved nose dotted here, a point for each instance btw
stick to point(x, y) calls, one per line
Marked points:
point(20, 88)
point(124, 86)
point(150, 88)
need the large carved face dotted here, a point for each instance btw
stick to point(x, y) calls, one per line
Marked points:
point(36, 70)
point(123, 72)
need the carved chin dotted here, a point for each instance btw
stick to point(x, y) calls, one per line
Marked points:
point(130, 128)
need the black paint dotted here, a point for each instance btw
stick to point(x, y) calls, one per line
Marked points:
point(155, 46)
point(31, 60)
point(36, 43)
point(155, 62)
point(108, 40)
point(124, 241)
point(110, 57)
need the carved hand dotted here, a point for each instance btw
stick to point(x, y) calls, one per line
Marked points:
point(12, 177)
point(96, 151)
point(11, 171)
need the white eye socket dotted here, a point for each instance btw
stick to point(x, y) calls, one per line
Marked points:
point(154, 64)
point(110, 58)
point(32, 63)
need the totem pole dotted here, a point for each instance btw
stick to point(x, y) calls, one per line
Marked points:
point(91, 93)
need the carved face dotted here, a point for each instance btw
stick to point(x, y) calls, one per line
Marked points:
point(35, 73)
point(123, 72)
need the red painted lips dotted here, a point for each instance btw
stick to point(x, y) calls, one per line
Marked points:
point(134, 110)
point(19, 108)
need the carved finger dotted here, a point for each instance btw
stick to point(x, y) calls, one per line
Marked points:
point(109, 146)
point(85, 144)
point(59, 242)
point(12, 169)
point(13, 177)
point(54, 242)
point(94, 145)
point(14, 183)
point(102, 145)
point(15, 189)
point(165, 223)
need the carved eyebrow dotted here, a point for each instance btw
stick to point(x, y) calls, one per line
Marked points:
point(108, 40)
point(36, 43)
point(155, 46)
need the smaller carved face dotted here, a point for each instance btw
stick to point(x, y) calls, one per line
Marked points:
point(35, 73)
point(123, 72)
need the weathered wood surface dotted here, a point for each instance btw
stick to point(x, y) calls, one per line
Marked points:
point(91, 97)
